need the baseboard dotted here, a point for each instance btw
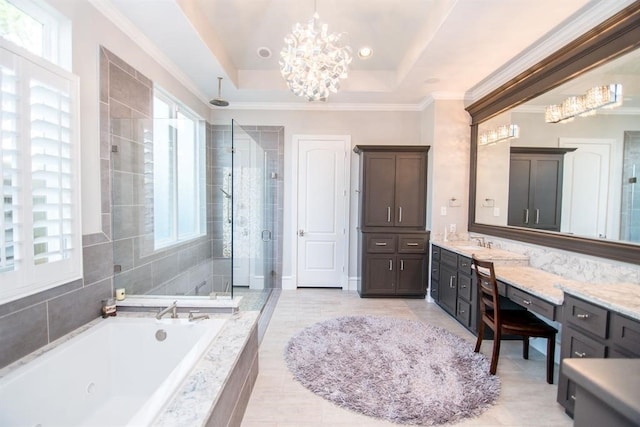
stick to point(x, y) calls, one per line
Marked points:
point(288, 283)
point(352, 283)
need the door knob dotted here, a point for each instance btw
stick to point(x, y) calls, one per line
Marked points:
point(301, 232)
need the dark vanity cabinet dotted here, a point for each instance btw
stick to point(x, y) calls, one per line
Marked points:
point(592, 331)
point(535, 187)
point(393, 241)
point(452, 286)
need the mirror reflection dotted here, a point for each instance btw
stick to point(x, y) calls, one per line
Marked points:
point(577, 176)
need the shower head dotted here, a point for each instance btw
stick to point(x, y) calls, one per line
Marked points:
point(219, 102)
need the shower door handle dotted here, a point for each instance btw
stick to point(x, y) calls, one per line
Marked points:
point(301, 232)
point(266, 235)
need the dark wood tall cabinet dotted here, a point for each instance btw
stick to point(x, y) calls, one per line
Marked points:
point(393, 241)
point(535, 187)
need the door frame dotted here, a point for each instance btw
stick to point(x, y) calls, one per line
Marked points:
point(293, 228)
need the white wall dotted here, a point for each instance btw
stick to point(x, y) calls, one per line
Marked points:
point(365, 128)
point(91, 29)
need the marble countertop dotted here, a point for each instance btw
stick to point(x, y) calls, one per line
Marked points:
point(623, 298)
point(535, 281)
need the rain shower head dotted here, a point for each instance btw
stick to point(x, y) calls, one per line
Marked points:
point(219, 102)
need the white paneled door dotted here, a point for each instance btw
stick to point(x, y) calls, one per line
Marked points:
point(323, 178)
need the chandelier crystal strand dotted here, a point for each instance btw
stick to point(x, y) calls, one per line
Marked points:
point(312, 61)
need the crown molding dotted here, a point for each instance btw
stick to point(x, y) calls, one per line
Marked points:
point(318, 106)
point(567, 31)
point(107, 9)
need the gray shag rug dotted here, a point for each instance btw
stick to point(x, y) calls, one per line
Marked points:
point(403, 371)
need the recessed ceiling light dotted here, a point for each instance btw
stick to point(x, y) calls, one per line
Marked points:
point(264, 52)
point(365, 52)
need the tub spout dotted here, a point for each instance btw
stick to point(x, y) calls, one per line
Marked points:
point(173, 308)
point(194, 317)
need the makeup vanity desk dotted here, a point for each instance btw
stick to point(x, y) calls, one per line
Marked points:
point(598, 320)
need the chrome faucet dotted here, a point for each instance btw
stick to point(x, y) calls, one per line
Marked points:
point(480, 241)
point(173, 308)
point(194, 317)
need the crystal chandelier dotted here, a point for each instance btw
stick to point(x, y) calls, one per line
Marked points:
point(312, 61)
point(607, 96)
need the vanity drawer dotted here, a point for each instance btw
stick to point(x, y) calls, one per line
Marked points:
point(449, 258)
point(435, 252)
point(625, 334)
point(464, 264)
point(463, 312)
point(581, 346)
point(381, 244)
point(532, 303)
point(464, 287)
point(586, 316)
point(415, 245)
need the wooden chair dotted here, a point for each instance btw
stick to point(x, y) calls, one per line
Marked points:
point(508, 322)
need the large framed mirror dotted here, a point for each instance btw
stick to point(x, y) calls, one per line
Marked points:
point(574, 183)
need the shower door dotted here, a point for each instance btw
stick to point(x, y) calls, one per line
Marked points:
point(252, 228)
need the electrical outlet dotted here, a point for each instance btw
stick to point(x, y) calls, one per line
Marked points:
point(443, 210)
point(496, 211)
point(452, 228)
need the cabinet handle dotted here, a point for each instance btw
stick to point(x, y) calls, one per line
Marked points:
point(461, 311)
point(412, 244)
point(390, 265)
point(451, 279)
point(463, 286)
point(526, 216)
point(388, 213)
point(400, 214)
point(381, 243)
point(526, 302)
point(573, 397)
point(401, 265)
point(537, 216)
point(582, 316)
point(580, 355)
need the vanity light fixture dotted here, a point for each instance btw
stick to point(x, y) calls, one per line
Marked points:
point(607, 96)
point(501, 133)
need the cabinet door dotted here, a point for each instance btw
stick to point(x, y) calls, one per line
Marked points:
point(547, 193)
point(379, 275)
point(379, 187)
point(411, 275)
point(410, 190)
point(519, 192)
point(447, 292)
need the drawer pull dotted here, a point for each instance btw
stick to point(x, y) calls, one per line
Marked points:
point(573, 397)
point(412, 244)
point(463, 286)
point(582, 316)
point(461, 311)
point(381, 243)
point(526, 302)
point(464, 264)
point(579, 354)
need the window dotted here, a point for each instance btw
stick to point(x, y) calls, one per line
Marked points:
point(40, 230)
point(37, 28)
point(178, 172)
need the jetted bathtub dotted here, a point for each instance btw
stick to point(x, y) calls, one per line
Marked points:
point(120, 372)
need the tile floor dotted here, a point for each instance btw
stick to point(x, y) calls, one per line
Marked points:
point(280, 401)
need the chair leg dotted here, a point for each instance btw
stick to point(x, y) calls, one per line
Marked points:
point(496, 351)
point(480, 336)
point(551, 348)
point(525, 348)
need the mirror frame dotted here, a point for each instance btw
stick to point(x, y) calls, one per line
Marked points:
point(613, 38)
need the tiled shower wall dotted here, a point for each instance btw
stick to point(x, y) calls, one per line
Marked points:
point(185, 269)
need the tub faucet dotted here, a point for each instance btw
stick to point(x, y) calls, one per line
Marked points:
point(173, 308)
point(193, 316)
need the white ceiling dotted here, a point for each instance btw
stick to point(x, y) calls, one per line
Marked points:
point(423, 49)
